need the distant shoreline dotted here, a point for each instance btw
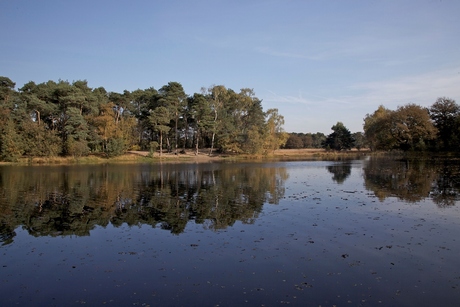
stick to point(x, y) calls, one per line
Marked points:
point(188, 157)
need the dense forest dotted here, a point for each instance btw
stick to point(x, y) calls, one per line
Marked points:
point(72, 119)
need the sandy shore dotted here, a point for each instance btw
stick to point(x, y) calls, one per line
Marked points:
point(204, 156)
point(189, 156)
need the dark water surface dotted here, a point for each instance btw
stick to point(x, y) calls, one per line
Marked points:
point(355, 233)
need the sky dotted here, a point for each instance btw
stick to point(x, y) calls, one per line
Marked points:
point(317, 61)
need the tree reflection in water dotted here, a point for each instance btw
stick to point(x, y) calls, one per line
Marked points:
point(445, 191)
point(413, 180)
point(340, 171)
point(59, 201)
point(325, 244)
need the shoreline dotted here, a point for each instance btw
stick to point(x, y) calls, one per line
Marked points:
point(190, 157)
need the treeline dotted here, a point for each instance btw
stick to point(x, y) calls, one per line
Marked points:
point(72, 119)
point(305, 140)
point(408, 128)
point(340, 139)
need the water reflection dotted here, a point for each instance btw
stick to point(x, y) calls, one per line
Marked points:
point(446, 187)
point(414, 180)
point(55, 201)
point(340, 171)
point(325, 244)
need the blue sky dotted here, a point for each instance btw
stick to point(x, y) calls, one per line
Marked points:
point(317, 61)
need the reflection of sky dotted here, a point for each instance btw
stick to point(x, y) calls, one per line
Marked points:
point(315, 174)
point(348, 217)
point(308, 180)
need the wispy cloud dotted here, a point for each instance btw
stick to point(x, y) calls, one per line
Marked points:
point(422, 89)
point(312, 99)
point(368, 45)
point(310, 112)
point(284, 54)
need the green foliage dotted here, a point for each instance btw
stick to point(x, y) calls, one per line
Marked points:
point(445, 114)
point(66, 118)
point(411, 127)
point(377, 129)
point(53, 118)
point(75, 125)
point(340, 139)
point(294, 142)
point(115, 147)
point(40, 141)
point(276, 137)
point(76, 148)
point(305, 140)
point(219, 117)
point(11, 143)
point(236, 122)
point(255, 142)
point(174, 99)
point(6, 89)
point(201, 116)
point(360, 141)
point(159, 118)
point(407, 128)
point(153, 148)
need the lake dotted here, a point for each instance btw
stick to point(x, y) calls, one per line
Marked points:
point(305, 233)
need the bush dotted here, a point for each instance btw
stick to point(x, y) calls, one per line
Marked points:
point(153, 148)
point(115, 147)
point(77, 148)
